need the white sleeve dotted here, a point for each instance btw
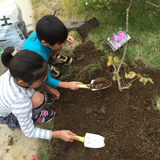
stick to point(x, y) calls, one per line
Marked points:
point(22, 109)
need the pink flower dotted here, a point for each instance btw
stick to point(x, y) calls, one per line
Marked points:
point(117, 40)
point(121, 35)
point(116, 44)
point(114, 38)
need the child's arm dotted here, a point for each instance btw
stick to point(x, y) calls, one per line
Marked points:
point(65, 135)
point(71, 85)
point(56, 83)
point(22, 109)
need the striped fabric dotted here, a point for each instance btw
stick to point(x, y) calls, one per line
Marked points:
point(16, 99)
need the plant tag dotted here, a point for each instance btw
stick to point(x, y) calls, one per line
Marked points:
point(117, 39)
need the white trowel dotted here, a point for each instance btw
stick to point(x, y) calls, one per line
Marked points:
point(91, 140)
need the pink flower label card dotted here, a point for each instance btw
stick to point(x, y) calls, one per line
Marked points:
point(117, 39)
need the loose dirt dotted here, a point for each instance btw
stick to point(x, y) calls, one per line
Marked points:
point(127, 120)
point(100, 83)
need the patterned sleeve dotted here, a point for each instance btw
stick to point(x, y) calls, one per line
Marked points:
point(22, 109)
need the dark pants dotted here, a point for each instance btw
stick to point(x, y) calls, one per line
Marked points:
point(11, 121)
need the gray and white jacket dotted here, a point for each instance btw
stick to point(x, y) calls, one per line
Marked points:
point(17, 100)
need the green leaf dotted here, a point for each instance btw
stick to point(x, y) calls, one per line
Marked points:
point(109, 61)
point(151, 80)
point(131, 75)
point(114, 77)
point(116, 32)
point(126, 76)
point(116, 59)
point(141, 79)
point(145, 80)
point(115, 72)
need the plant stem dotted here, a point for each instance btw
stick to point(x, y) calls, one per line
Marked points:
point(132, 81)
point(124, 53)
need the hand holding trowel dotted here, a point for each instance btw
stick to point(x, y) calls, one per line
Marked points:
point(91, 140)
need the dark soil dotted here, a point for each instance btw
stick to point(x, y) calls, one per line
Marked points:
point(127, 120)
point(100, 83)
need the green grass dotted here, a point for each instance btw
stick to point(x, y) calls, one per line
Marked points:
point(144, 25)
point(41, 8)
point(88, 70)
point(80, 72)
point(45, 145)
point(43, 151)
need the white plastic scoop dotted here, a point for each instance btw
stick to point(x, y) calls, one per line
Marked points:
point(89, 86)
point(92, 140)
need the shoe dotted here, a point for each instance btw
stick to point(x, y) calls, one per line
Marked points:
point(66, 60)
point(45, 115)
point(48, 98)
point(55, 73)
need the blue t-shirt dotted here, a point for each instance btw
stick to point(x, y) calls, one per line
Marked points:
point(33, 44)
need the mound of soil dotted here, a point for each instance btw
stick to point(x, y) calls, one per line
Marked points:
point(126, 119)
point(100, 83)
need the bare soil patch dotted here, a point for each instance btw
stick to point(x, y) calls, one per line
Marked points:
point(126, 119)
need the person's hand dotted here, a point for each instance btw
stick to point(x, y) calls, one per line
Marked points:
point(55, 93)
point(33, 158)
point(67, 136)
point(70, 39)
point(73, 85)
point(52, 91)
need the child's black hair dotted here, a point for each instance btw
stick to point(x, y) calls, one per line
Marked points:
point(25, 65)
point(50, 29)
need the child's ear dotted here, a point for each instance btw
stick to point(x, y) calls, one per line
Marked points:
point(44, 43)
point(21, 83)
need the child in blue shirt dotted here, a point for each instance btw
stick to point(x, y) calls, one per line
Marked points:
point(48, 39)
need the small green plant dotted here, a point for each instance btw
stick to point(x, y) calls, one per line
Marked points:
point(142, 78)
point(116, 63)
point(131, 75)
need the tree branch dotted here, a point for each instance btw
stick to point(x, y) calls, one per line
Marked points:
point(124, 53)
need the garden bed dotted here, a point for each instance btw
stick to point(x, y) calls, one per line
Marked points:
point(127, 120)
